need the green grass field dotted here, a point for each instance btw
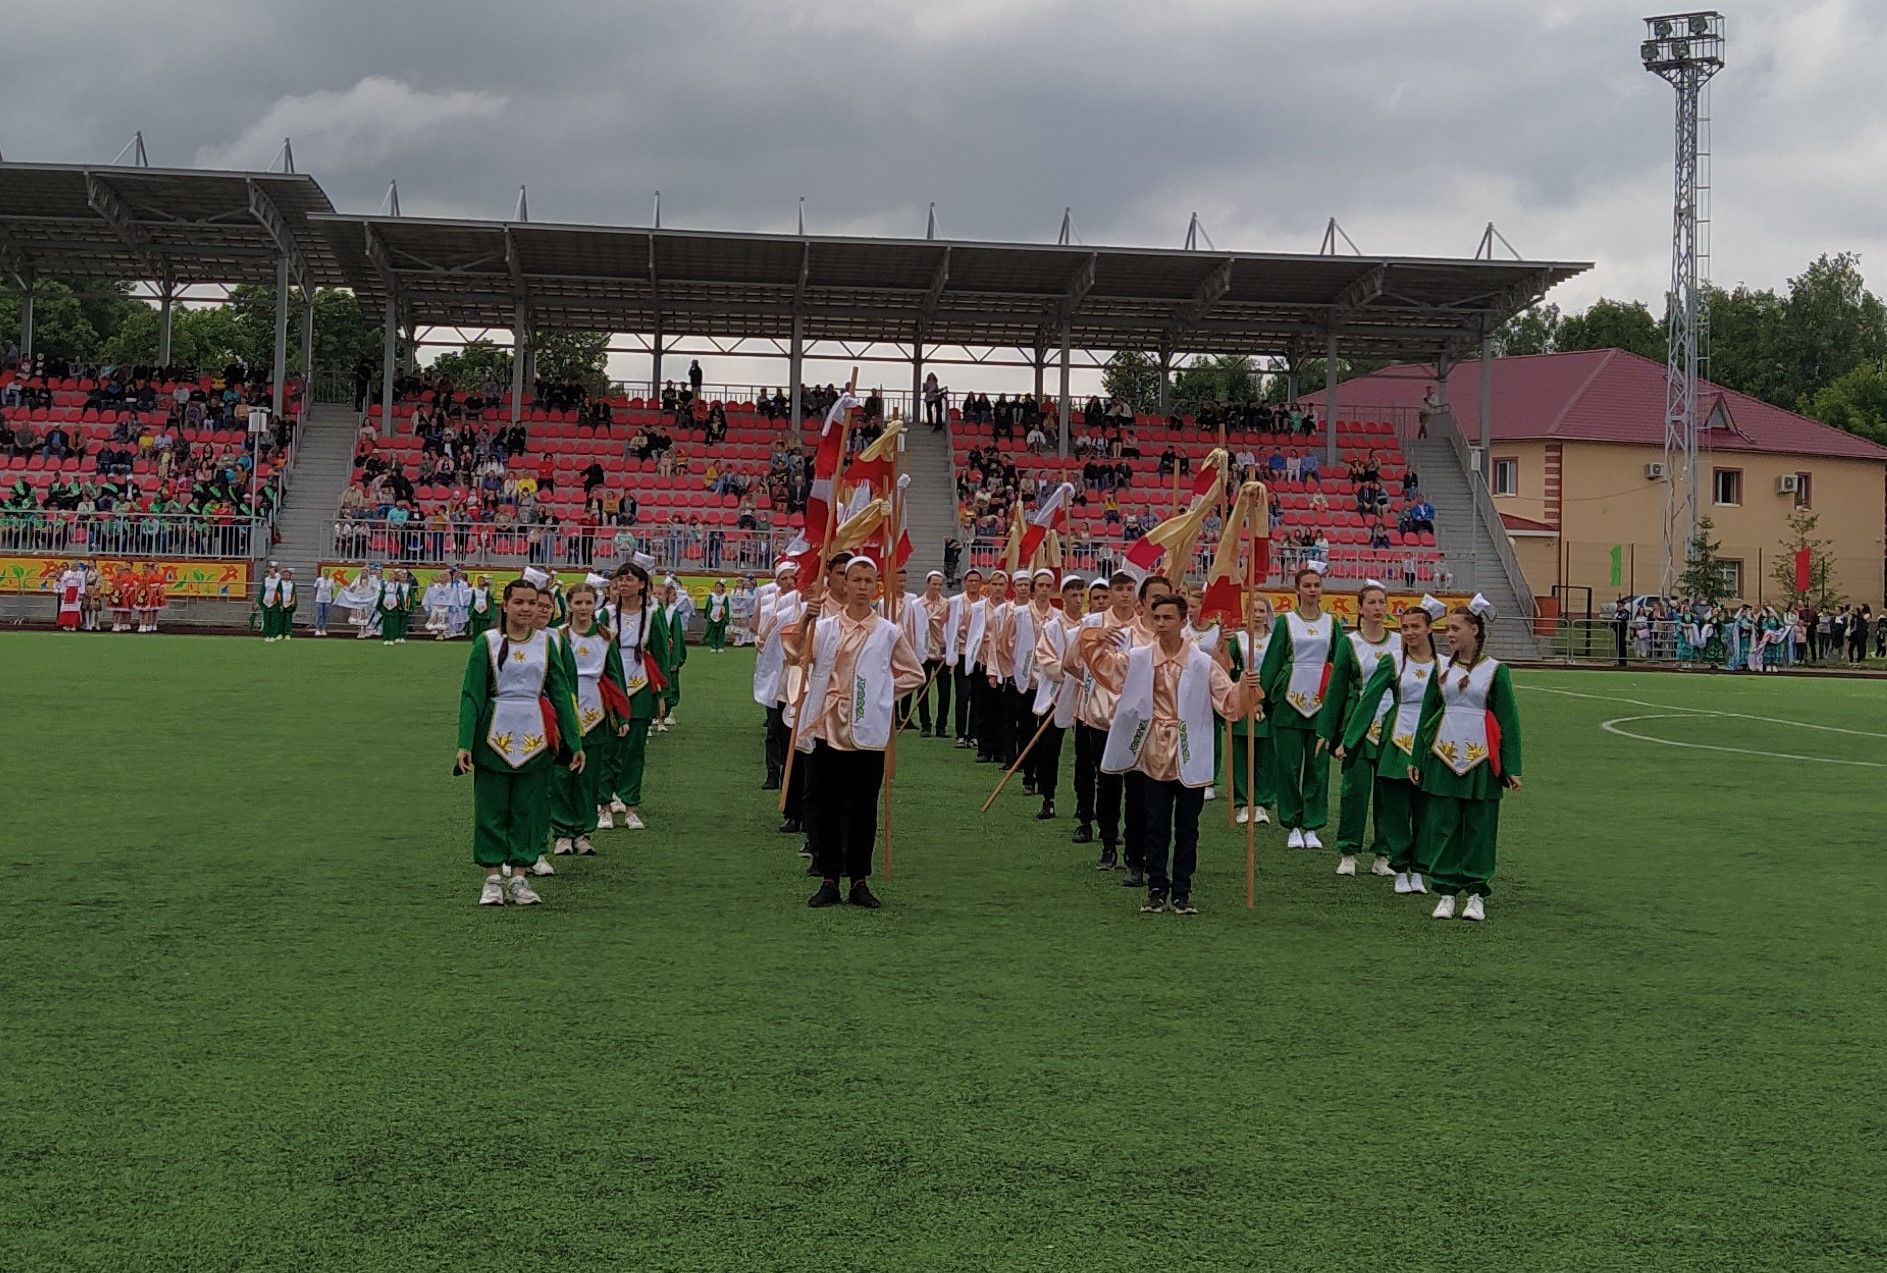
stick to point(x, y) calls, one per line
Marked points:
point(253, 1019)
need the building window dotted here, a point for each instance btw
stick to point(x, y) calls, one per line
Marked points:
point(1802, 492)
point(1506, 476)
point(1732, 576)
point(1729, 486)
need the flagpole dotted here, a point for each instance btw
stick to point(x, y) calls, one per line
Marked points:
point(805, 628)
point(1039, 731)
point(1251, 711)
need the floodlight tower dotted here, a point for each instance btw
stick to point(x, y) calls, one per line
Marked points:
point(1685, 49)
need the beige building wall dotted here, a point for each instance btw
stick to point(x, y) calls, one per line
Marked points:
point(1604, 498)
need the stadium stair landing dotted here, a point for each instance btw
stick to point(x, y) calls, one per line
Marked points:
point(306, 522)
point(931, 501)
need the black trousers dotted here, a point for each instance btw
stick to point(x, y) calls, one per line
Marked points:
point(1088, 743)
point(966, 697)
point(1133, 850)
point(1022, 721)
point(1046, 758)
point(845, 810)
point(940, 679)
point(992, 717)
point(779, 738)
point(798, 792)
point(1170, 816)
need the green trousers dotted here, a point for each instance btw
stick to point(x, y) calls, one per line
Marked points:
point(1357, 783)
point(1398, 814)
point(271, 621)
point(717, 635)
point(573, 804)
point(1456, 845)
point(671, 697)
point(510, 815)
point(393, 628)
point(625, 781)
point(1263, 784)
point(1302, 774)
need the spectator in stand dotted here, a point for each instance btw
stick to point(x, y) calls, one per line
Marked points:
point(1307, 467)
point(694, 377)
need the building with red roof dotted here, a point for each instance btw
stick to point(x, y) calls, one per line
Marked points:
point(1578, 449)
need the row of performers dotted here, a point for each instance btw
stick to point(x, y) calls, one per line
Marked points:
point(555, 717)
point(130, 596)
point(1430, 742)
point(384, 603)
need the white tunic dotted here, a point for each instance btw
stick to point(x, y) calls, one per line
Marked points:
point(1367, 657)
point(1461, 738)
point(591, 654)
point(1310, 651)
point(1404, 706)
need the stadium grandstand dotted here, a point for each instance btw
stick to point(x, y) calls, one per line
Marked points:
point(710, 482)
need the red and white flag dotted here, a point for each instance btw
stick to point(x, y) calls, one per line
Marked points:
point(1180, 531)
point(1050, 514)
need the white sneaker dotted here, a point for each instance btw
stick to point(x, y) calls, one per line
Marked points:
point(1416, 883)
point(1260, 816)
point(1474, 910)
point(1382, 866)
point(1212, 793)
point(1402, 881)
point(1296, 839)
point(617, 806)
point(584, 847)
point(540, 867)
point(1244, 816)
point(1445, 908)
point(560, 847)
point(1346, 865)
point(1311, 841)
point(671, 719)
point(521, 893)
point(603, 821)
point(631, 822)
point(493, 893)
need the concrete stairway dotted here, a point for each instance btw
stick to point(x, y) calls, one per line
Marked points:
point(1469, 548)
point(931, 500)
point(306, 522)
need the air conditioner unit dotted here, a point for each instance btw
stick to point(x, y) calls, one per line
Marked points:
point(1789, 484)
point(1654, 472)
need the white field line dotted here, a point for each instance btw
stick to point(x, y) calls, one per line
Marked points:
point(1705, 711)
point(1613, 727)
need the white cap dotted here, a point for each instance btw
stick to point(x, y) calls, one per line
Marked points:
point(1321, 567)
point(935, 574)
point(860, 558)
point(1043, 570)
point(1100, 581)
point(595, 580)
point(643, 560)
point(535, 577)
point(1373, 583)
point(1435, 606)
point(785, 567)
point(1482, 606)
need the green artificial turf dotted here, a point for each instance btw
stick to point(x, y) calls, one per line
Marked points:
point(253, 1018)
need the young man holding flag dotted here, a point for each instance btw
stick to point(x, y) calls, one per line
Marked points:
point(964, 624)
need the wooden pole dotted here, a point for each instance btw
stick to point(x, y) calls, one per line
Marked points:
point(807, 622)
point(928, 682)
point(894, 605)
point(1251, 717)
point(1039, 731)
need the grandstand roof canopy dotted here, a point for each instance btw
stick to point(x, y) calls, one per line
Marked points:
point(194, 226)
point(722, 284)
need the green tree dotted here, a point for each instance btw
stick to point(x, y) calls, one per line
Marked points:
point(1531, 331)
point(475, 362)
point(1132, 375)
point(60, 324)
point(1833, 325)
point(1821, 591)
point(584, 354)
point(1703, 577)
point(1610, 324)
point(1856, 403)
point(1221, 378)
point(1746, 344)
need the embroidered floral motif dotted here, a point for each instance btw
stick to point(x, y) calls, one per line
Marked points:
point(502, 742)
point(584, 649)
point(1477, 752)
point(1375, 731)
point(590, 718)
point(517, 656)
point(1404, 743)
point(1447, 751)
point(533, 741)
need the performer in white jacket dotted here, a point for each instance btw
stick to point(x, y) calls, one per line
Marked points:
point(1057, 689)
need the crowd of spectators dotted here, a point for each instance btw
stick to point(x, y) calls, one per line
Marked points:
point(1746, 638)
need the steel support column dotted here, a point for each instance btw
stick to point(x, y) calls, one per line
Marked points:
point(1330, 403)
point(1041, 370)
point(166, 294)
point(795, 358)
point(655, 361)
point(27, 289)
point(1066, 406)
point(307, 355)
point(387, 353)
point(1165, 396)
point(917, 384)
point(518, 325)
point(277, 390)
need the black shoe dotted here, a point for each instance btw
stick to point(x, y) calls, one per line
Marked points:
point(771, 784)
point(828, 895)
point(1108, 860)
point(1182, 904)
point(985, 760)
point(1155, 903)
point(861, 895)
point(963, 744)
point(1135, 878)
point(1084, 834)
point(805, 850)
point(790, 826)
point(1028, 788)
point(812, 869)
point(1047, 811)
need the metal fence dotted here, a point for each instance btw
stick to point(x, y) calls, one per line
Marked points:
point(674, 546)
point(1668, 643)
point(133, 535)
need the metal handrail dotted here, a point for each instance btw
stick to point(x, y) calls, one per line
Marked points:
point(1444, 424)
point(674, 546)
point(137, 535)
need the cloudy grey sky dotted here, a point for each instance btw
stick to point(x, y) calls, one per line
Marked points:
point(1414, 124)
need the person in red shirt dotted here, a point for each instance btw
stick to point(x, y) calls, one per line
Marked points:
point(546, 473)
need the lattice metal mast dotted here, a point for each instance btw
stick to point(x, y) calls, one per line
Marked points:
point(1686, 50)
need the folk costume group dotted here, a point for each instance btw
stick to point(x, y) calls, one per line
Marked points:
point(1427, 742)
point(86, 593)
point(559, 697)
